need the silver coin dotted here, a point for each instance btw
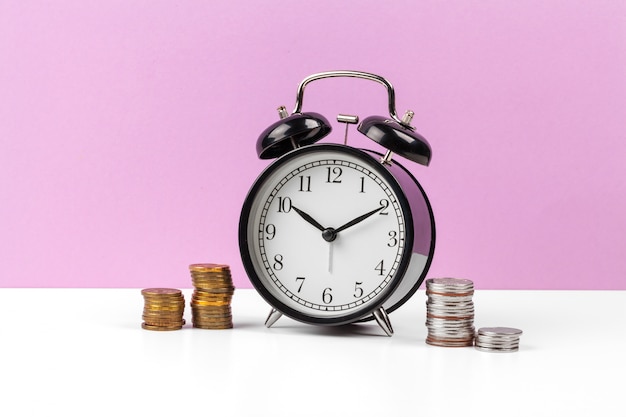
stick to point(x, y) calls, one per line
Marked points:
point(450, 307)
point(495, 350)
point(452, 332)
point(445, 282)
point(450, 313)
point(453, 338)
point(447, 343)
point(499, 331)
point(431, 322)
point(462, 301)
point(497, 342)
point(450, 325)
point(446, 303)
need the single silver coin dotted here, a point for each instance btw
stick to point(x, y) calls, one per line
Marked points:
point(496, 350)
point(499, 331)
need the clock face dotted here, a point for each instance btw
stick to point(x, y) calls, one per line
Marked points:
point(326, 234)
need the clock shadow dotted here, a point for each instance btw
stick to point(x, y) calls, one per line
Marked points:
point(344, 331)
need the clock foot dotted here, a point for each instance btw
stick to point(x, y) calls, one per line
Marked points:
point(272, 317)
point(383, 321)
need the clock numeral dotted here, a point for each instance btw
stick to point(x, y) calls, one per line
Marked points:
point(305, 183)
point(385, 204)
point(393, 239)
point(327, 297)
point(270, 231)
point(362, 185)
point(278, 262)
point(284, 204)
point(358, 291)
point(380, 268)
point(301, 279)
point(333, 175)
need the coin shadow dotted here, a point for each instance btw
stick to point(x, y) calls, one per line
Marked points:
point(239, 324)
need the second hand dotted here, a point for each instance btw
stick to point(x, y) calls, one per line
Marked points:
point(330, 257)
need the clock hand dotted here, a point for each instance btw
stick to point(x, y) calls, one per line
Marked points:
point(358, 219)
point(330, 257)
point(308, 218)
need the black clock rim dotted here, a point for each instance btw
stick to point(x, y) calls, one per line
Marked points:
point(431, 251)
point(247, 258)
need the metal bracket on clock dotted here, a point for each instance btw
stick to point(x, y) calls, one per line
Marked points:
point(381, 316)
point(383, 320)
point(272, 317)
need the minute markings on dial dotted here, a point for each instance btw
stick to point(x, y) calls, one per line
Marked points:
point(285, 195)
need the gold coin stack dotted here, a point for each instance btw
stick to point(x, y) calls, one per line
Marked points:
point(163, 309)
point(213, 292)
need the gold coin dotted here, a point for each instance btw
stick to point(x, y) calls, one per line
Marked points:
point(211, 276)
point(222, 289)
point(161, 292)
point(213, 287)
point(159, 307)
point(164, 305)
point(211, 310)
point(209, 304)
point(209, 314)
point(164, 323)
point(213, 293)
point(211, 327)
point(211, 280)
point(160, 328)
point(164, 301)
point(178, 317)
point(211, 319)
point(208, 267)
point(222, 298)
point(215, 322)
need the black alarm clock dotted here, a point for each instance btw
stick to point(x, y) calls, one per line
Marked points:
point(330, 234)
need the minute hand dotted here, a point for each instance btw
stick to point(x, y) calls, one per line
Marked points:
point(358, 219)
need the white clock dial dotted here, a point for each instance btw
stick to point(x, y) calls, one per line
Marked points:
point(327, 233)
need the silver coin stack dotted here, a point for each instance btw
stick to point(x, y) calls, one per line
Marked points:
point(498, 339)
point(450, 312)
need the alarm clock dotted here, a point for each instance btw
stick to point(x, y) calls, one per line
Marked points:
point(330, 234)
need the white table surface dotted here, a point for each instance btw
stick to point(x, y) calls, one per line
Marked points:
point(82, 352)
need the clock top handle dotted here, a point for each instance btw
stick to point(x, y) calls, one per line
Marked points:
point(396, 135)
point(302, 129)
point(353, 74)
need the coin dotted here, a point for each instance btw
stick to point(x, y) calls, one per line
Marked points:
point(500, 331)
point(160, 327)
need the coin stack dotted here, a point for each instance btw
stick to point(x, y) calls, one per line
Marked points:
point(498, 339)
point(163, 309)
point(450, 312)
point(213, 291)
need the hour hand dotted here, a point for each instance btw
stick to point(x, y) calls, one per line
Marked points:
point(308, 218)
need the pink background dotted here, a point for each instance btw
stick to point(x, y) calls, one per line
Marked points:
point(128, 130)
